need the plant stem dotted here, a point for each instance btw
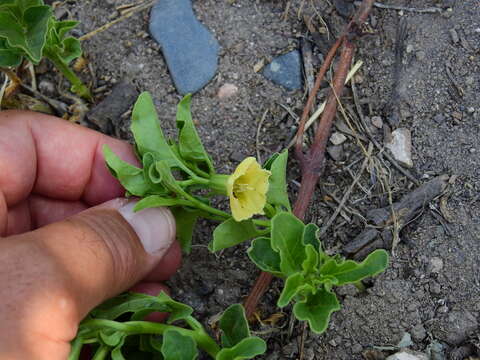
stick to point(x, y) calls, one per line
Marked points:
point(193, 181)
point(204, 341)
point(311, 163)
point(101, 352)
point(76, 348)
point(78, 86)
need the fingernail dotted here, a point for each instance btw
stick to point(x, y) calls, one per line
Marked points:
point(155, 227)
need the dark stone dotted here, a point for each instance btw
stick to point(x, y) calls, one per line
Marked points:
point(190, 50)
point(344, 7)
point(285, 70)
point(106, 114)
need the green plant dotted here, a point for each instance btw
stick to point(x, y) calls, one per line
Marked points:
point(131, 337)
point(180, 174)
point(28, 29)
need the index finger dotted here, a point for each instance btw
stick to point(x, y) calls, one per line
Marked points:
point(54, 158)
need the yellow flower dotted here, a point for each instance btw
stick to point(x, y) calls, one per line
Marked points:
point(247, 189)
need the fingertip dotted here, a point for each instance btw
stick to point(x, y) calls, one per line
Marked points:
point(170, 263)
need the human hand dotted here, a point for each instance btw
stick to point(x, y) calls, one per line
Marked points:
point(68, 241)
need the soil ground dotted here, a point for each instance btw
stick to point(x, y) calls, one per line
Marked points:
point(432, 288)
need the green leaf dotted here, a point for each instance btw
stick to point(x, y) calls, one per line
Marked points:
point(231, 233)
point(267, 165)
point(148, 134)
point(350, 271)
point(111, 337)
point(262, 254)
point(163, 172)
point(246, 349)
point(277, 190)
point(293, 285)
point(6, 2)
point(63, 27)
point(158, 201)
point(29, 34)
point(71, 49)
point(316, 309)
point(130, 176)
point(141, 305)
point(178, 347)
point(156, 342)
point(9, 57)
point(310, 236)
point(25, 4)
point(185, 220)
point(190, 145)
point(310, 265)
point(287, 231)
point(234, 326)
point(116, 353)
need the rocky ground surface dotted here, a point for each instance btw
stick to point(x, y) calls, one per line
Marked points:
point(429, 298)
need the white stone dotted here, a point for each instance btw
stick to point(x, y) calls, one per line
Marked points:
point(337, 138)
point(401, 146)
point(227, 90)
point(377, 122)
point(436, 264)
point(407, 355)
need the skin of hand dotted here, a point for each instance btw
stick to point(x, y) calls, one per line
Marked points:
point(68, 239)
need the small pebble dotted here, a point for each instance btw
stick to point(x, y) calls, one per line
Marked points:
point(420, 55)
point(337, 138)
point(286, 70)
point(471, 110)
point(357, 348)
point(227, 90)
point(408, 355)
point(435, 265)
point(401, 146)
point(336, 152)
point(454, 36)
point(418, 333)
point(237, 156)
point(409, 48)
point(457, 115)
point(377, 122)
point(435, 288)
point(46, 87)
point(469, 80)
point(439, 118)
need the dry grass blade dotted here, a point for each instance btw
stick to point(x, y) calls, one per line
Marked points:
point(346, 196)
point(126, 14)
point(257, 137)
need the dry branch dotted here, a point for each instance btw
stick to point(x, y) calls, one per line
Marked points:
point(312, 161)
point(405, 210)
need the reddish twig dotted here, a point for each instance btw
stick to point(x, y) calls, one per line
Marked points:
point(311, 162)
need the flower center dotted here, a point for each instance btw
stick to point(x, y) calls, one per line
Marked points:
point(238, 188)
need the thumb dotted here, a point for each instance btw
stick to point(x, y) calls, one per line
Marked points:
point(77, 263)
point(52, 277)
point(108, 248)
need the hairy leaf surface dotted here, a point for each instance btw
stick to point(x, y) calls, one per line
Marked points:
point(262, 254)
point(350, 271)
point(177, 346)
point(316, 309)
point(234, 326)
point(248, 348)
point(190, 144)
point(277, 190)
point(287, 231)
point(231, 233)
